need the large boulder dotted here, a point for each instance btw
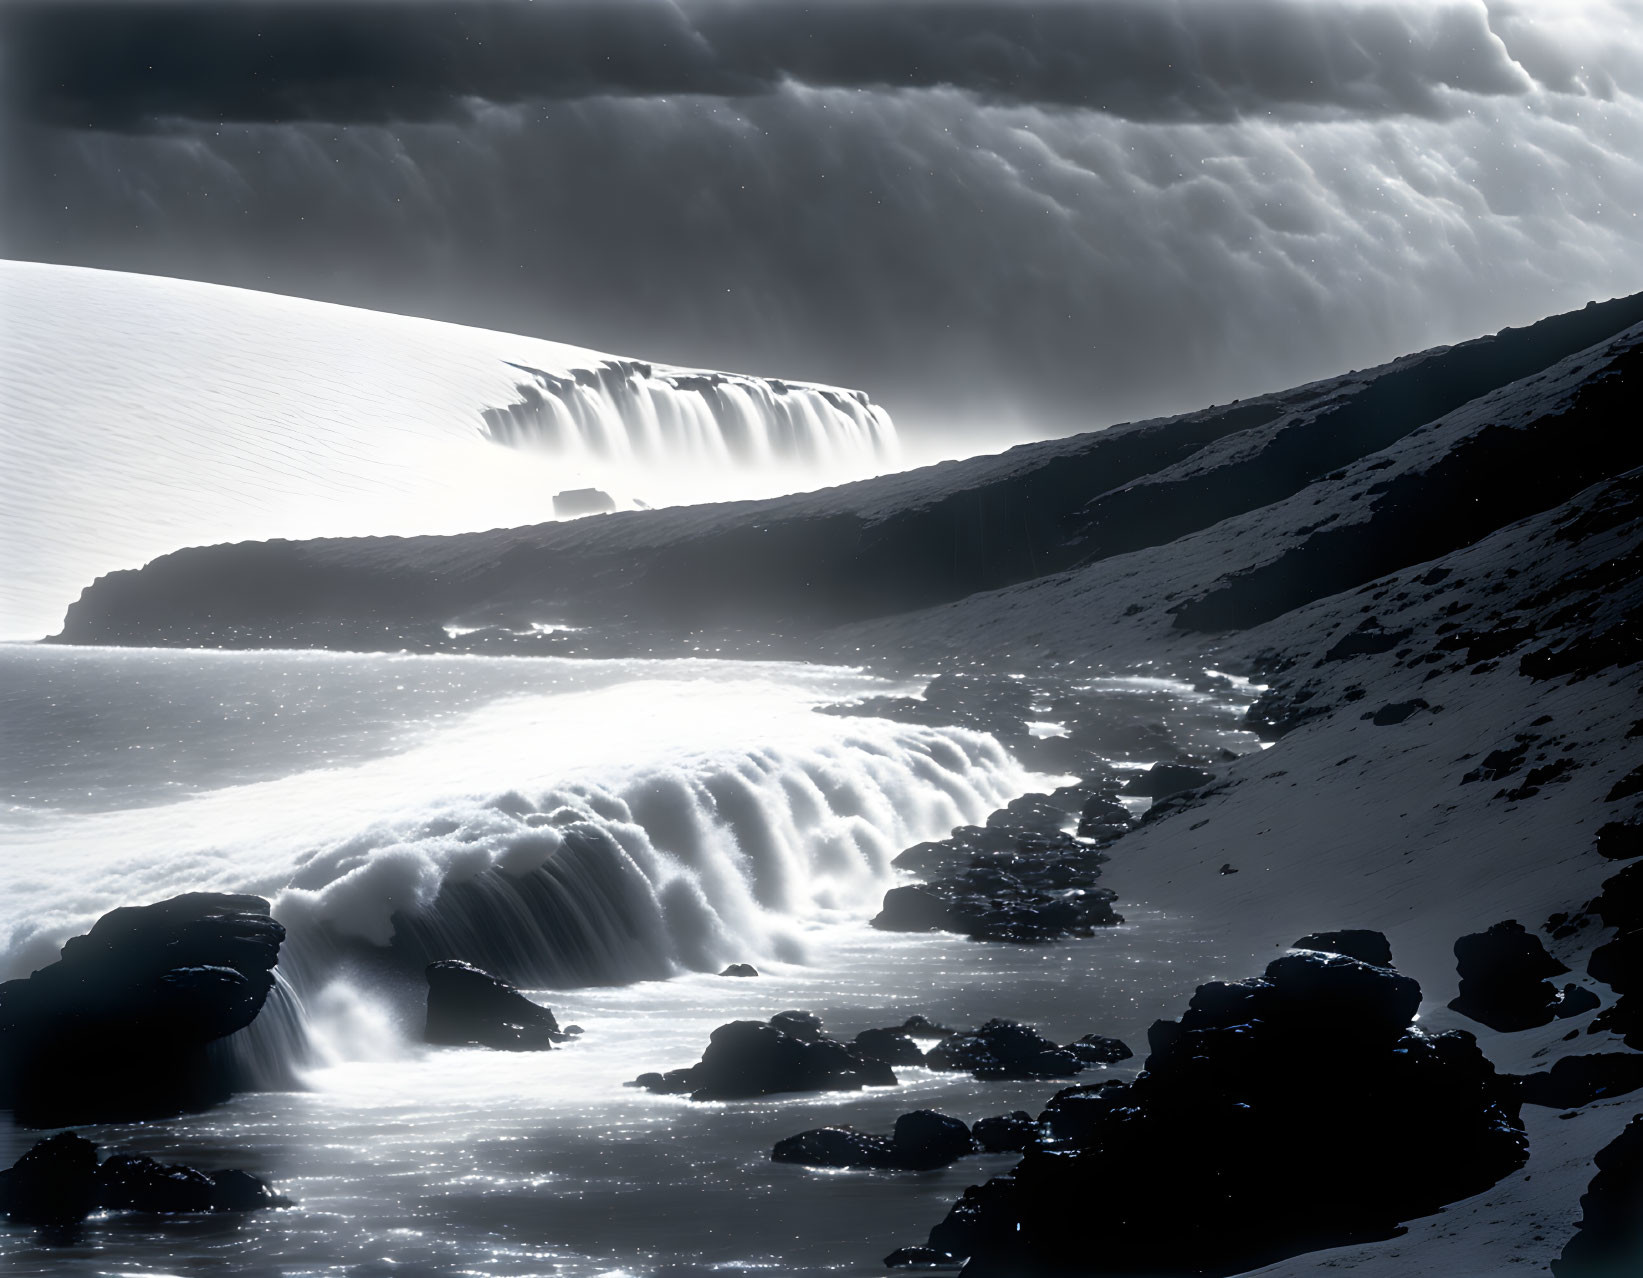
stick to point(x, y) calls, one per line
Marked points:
point(745, 1059)
point(1297, 1110)
point(119, 1027)
point(1503, 981)
point(1167, 778)
point(469, 1005)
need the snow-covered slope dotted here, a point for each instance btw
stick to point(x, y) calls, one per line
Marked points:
point(145, 414)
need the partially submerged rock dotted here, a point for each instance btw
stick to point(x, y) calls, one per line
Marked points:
point(1007, 1049)
point(1294, 1111)
point(468, 1005)
point(59, 1182)
point(745, 1059)
point(119, 1027)
point(922, 1140)
point(740, 969)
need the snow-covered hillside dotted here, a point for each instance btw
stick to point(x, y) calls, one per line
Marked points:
point(144, 414)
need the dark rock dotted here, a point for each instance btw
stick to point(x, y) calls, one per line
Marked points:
point(1266, 1082)
point(1610, 1238)
point(1096, 1049)
point(1102, 813)
point(1395, 712)
point(1004, 1049)
point(914, 908)
point(745, 1059)
point(1574, 1081)
point(1368, 639)
point(120, 1026)
point(1227, 867)
point(1167, 778)
point(890, 1045)
point(834, 1147)
point(1620, 840)
point(923, 1027)
point(740, 969)
point(1620, 904)
point(1361, 944)
point(55, 1183)
point(1502, 978)
point(805, 1025)
point(1006, 1133)
point(581, 501)
point(924, 1139)
point(1619, 963)
point(59, 1182)
point(919, 1258)
point(469, 1005)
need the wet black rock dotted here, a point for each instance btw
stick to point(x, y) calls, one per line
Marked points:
point(1006, 1133)
point(745, 1059)
point(923, 1027)
point(805, 1025)
point(1359, 943)
point(59, 1182)
point(1299, 1095)
point(834, 1147)
point(1575, 1001)
point(914, 908)
point(1574, 1081)
point(740, 969)
point(919, 1258)
point(1101, 816)
point(1167, 778)
point(1097, 1049)
point(120, 1027)
point(468, 1005)
point(1610, 1238)
point(894, 1046)
point(922, 1140)
point(1008, 1049)
point(1503, 978)
point(55, 1183)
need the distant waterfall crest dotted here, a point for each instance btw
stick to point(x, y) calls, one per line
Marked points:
point(625, 410)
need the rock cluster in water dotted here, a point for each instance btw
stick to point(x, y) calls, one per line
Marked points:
point(60, 1182)
point(921, 1140)
point(468, 1005)
point(119, 1027)
point(787, 1053)
point(1296, 1110)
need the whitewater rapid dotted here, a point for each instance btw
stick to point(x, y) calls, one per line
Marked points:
point(144, 414)
point(562, 822)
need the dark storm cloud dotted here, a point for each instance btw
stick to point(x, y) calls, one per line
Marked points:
point(908, 197)
point(132, 64)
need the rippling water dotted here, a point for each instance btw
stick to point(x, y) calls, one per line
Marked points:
point(350, 787)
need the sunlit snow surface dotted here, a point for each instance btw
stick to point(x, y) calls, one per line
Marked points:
point(141, 415)
point(744, 826)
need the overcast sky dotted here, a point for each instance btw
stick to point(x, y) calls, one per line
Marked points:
point(997, 217)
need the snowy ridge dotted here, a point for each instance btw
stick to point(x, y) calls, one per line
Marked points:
point(145, 414)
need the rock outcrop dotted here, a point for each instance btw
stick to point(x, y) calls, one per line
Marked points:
point(1293, 1111)
point(118, 1028)
point(788, 1053)
point(468, 1005)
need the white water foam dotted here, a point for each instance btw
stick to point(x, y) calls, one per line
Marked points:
point(676, 816)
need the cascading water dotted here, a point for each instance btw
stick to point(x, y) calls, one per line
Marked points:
point(633, 413)
point(146, 414)
point(562, 823)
